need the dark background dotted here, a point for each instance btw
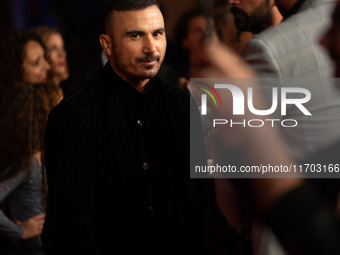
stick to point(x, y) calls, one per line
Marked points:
point(78, 21)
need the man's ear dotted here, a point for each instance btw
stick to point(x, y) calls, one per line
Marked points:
point(105, 42)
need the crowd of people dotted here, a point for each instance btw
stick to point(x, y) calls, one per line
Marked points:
point(104, 168)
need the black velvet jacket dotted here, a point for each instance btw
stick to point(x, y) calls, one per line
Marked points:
point(101, 198)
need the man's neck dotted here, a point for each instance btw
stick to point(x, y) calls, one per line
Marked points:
point(141, 85)
point(138, 84)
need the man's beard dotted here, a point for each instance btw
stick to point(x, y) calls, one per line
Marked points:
point(150, 57)
point(122, 66)
point(260, 18)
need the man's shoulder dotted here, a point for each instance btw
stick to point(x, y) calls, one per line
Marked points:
point(170, 91)
point(313, 19)
point(175, 100)
point(315, 4)
point(291, 49)
point(81, 102)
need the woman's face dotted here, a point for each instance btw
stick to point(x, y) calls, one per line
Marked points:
point(56, 54)
point(198, 29)
point(34, 64)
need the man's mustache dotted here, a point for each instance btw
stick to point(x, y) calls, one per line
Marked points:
point(146, 58)
point(235, 11)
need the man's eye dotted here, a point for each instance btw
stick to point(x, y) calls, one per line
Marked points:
point(134, 36)
point(157, 34)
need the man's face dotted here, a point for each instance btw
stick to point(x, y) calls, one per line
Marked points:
point(252, 15)
point(138, 43)
point(331, 39)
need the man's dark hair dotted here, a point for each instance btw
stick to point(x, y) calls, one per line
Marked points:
point(122, 6)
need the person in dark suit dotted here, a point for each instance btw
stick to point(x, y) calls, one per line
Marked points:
point(117, 153)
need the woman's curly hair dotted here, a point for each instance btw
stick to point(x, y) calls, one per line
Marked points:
point(12, 54)
point(23, 117)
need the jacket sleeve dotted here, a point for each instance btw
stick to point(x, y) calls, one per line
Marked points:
point(69, 163)
point(259, 56)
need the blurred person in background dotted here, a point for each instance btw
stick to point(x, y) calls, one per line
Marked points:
point(23, 116)
point(301, 214)
point(291, 49)
point(55, 53)
point(190, 32)
point(255, 15)
point(22, 58)
point(252, 16)
point(226, 28)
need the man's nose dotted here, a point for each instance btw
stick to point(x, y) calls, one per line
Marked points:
point(233, 2)
point(149, 45)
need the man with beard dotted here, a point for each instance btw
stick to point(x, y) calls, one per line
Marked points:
point(292, 50)
point(303, 216)
point(254, 15)
point(118, 150)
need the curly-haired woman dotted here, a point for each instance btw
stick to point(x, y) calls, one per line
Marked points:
point(23, 116)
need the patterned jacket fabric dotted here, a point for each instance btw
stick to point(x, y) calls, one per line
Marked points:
point(101, 199)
